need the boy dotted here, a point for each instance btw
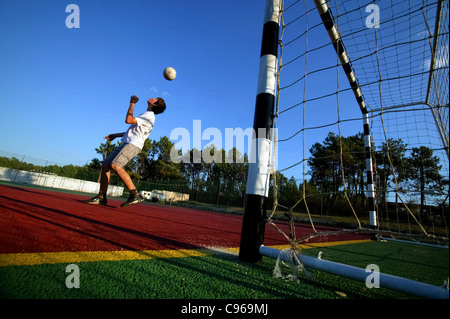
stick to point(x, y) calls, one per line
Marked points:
point(133, 141)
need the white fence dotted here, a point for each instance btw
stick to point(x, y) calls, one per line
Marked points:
point(51, 180)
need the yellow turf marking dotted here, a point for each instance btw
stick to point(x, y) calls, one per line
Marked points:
point(324, 244)
point(87, 256)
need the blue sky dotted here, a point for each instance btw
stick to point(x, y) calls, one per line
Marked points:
point(62, 90)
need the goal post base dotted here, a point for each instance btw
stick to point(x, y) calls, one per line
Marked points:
point(253, 228)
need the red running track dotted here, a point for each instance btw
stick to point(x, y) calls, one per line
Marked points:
point(34, 220)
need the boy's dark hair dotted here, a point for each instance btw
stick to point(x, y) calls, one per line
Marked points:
point(159, 106)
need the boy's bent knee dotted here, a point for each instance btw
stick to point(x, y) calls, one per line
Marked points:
point(116, 167)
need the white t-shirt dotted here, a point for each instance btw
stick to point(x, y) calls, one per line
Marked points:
point(137, 133)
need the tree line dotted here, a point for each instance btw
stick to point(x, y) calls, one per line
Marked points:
point(336, 169)
point(217, 182)
point(337, 165)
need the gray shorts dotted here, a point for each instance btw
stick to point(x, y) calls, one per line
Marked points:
point(122, 155)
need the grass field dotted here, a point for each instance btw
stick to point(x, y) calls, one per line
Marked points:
point(218, 274)
point(157, 252)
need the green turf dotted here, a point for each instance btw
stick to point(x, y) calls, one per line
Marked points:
point(223, 276)
point(417, 262)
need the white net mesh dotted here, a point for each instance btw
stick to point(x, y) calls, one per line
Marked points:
point(398, 52)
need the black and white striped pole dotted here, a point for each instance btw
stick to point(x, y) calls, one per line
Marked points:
point(333, 32)
point(254, 219)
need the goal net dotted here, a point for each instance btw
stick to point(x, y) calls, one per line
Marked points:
point(361, 117)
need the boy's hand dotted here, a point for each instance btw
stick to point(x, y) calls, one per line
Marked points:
point(111, 137)
point(134, 99)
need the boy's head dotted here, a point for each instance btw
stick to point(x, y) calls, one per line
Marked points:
point(156, 105)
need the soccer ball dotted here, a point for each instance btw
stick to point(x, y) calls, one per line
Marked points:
point(169, 73)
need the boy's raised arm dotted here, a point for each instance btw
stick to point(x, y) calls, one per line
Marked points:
point(130, 119)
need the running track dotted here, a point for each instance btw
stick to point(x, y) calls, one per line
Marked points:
point(33, 221)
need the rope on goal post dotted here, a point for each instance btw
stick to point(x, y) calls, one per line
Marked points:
point(292, 236)
point(292, 255)
point(253, 223)
point(388, 150)
point(436, 115)
point(338, 44)
point(333, 32)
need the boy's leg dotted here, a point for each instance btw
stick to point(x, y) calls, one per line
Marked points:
point(104, 178)
point(104, 181)
point(126, 179)
point(126, 154)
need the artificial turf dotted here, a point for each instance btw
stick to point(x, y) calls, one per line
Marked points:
point(223, 276)
point(155, 254)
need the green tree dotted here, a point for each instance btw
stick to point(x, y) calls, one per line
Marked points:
point(157, 165)
point(391, 165)
point(355, 166)
point(231, 174)
point(106, 148)
point(424, 173)
point(291, 193)
point(325, 168)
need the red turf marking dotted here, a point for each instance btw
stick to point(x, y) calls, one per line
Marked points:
point(44, 221)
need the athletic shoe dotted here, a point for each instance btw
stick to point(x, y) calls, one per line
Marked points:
point(97, 200)
point(133, 199)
